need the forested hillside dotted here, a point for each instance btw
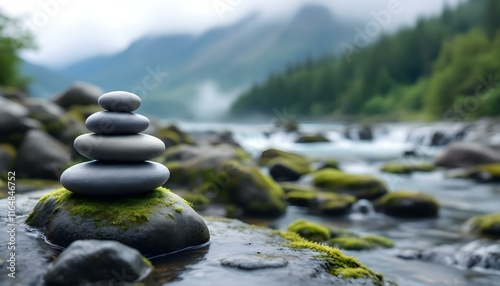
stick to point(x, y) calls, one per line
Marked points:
point(444, 67)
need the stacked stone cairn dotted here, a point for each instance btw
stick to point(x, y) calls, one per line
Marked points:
point(118, 195)
point(119, 151)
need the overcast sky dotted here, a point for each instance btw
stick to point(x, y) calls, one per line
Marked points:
point(69, 30)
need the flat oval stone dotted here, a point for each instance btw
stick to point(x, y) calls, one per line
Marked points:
point(112, 178)
point(108, 122)
point(119, 101)
point(135, 147)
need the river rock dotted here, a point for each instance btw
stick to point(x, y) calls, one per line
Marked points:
point(111, 178)
point(360, 186)
point(155, 223)
point(40, 156)
point(79, 93)
point(119, 101)
point(486, 225)
point(135, 147)
point(253, 262)
point(283, 169)
point(408, 204)
point(101, 261)
point(106, 122)
point(459, 155)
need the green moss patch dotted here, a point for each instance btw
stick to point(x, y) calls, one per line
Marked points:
point(117, 211)
point(488, 225)
point(361, 243)
point(406, 168)
point(336, 263)
point(309, 230)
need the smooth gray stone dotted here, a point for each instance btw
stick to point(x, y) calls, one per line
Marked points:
point(112, 178)
point(108, 122)
point(94, 255)
point(120, 101)
point(135, 147)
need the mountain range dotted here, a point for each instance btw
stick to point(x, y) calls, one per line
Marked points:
point(169, 71)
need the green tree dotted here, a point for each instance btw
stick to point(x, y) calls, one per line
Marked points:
point(13, 39)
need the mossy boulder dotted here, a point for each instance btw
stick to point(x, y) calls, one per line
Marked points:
point(248, 188)
point(487, 225)
point(329, 164)
point(312, 138)
point(272, 153)
point(284, 169)
point(482, 173)
point(360, 186)
point(408, 204)
point(406, 168)
point(333, 204)
point(337, 237)
point(196, 199)
point(301, 199)
point(155, 223)
point(309, 230)
point(293, 187)
point(366, 242)
point(171, 135)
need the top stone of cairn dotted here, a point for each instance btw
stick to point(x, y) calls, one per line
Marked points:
point(119, 101)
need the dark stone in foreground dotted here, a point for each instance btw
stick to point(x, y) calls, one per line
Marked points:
point(87, 261)
point(156, 223)
point(109, 178)
point(135, 147)
point(106, 122)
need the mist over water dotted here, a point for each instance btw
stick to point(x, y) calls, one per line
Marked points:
point(212, 103)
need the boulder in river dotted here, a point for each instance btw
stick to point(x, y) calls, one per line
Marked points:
point(94, 261)
point(312, 138)
point(408, 204)
point(460, 155)
point(360, 186)
point(487, 225)
point(284, 169)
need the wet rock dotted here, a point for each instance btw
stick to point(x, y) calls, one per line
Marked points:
point(269, 154)
point(79, 93)
point(408, 204)
point(481, 173)
point(359, 186)
point(247, 188)
point(487, 225)
point(406, 168)
point(216, 138)
point(309, 230)
point(329, 164)
point(172, 135)
point(155, 223)
point(283, 169)
point(365, 242)
point(252, 262)
point(362, 133)
point(459, 155)
point(312, 138)
point(94, 261)
point(40, 156)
